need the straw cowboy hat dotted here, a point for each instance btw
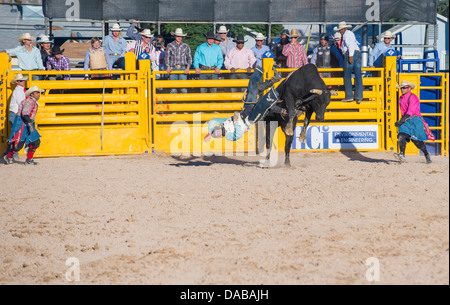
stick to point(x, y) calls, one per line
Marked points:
point(178, 32)
point(33, 89)
point(388, 34)
point(240, 39)
point(342, 25)
point(222, 30)
point(260, 36)
point(26, 36)
point(19, 77)
point(337, 36)
point(116, 28)
point(405, 83)
point(294, 33)
point(146, 33)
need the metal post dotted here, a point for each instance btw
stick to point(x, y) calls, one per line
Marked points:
point(364, 46)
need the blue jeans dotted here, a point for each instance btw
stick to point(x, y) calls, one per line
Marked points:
point(181, 76)
point(355, 68)
point(208, 76)
point(252, 93)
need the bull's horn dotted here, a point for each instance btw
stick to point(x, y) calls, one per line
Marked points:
point(332, 92)
point(316, 91)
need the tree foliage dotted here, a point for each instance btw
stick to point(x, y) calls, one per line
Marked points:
point(443, 8)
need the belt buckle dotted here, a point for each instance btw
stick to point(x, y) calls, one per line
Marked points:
point(178, 67)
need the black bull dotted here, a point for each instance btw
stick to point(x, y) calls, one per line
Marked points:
point(303, 91)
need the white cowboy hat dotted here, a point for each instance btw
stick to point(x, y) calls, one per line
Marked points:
point(19, 77)
point(26, 36)
point(146, 33)
point(116, 28)
point(44, 39)
point(260, 36)
point(222, 30)
point(405, 83)
point(342, 25)
point(33, 89)
point(178, 32)
point(337, 36)
point(388, 34)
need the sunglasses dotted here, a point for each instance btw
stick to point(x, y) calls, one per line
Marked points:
point(405, 88)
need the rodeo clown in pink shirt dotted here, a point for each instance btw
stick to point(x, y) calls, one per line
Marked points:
point(411, 127)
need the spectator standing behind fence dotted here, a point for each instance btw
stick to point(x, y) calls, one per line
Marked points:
point(29, 56)
point(376, 55)
point(260, 48)
point(143, 45)
point(337, 59)
point(226, 44)
point(115, 46)
point(411, 127)
point(239, 58)
point(17, 97)
point(279, 44)
point(217, 39)
point(178, 58)
point(295, 52)
point(352, 63)
point(46, 49)
point(96, 57)
point(58, 62)
point(208, 56)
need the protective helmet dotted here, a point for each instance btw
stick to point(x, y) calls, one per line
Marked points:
point(284, 32)
point(324, 37)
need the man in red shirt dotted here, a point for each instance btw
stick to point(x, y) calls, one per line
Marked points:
point(295, 52)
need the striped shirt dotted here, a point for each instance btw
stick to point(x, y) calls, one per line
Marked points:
point(296, 55)
point(139, 48)
point(59, 65)
point(178, 54)
point(28, 106)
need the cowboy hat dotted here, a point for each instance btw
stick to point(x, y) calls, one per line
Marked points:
point(388, 34)
point(26, 36)
point(405, 83)
point(218, 37)
point(116, 28)
point(294, 33)
point(342, 25)
point(240, 39)
point(44, 39)
point(210, 35)
point(337, 36)
point(19, 77)
point(260, 36)
point(178, 32)
point(146, 33)
point(222, 30)
point(57, 50)
point(33, 89)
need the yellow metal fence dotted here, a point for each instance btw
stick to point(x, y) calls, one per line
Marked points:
point(136, 112)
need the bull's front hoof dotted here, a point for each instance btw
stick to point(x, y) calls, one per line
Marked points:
point(287, 163)
point(289, 130)
point(302, 137)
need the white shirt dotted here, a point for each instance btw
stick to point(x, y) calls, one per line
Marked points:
point(17, 97)
point(349, 43)
point(239, 59)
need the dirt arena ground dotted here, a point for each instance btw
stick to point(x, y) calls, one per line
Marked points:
point(155, 219)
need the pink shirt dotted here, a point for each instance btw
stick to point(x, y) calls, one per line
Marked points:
point(413, 108)
point(296, 55)
point(239, 59)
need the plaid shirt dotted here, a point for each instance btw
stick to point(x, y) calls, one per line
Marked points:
point(178, 54)
point(29, 107)
point(296, 55)
point(61, 65)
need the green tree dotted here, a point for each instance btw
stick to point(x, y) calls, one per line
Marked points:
point(443, 8)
